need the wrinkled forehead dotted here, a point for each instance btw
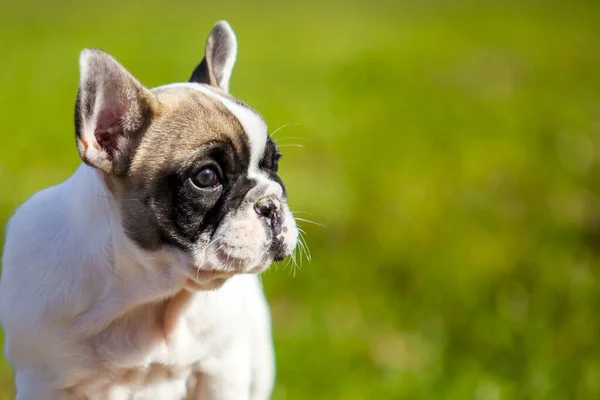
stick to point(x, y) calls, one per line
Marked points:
point(191, 115)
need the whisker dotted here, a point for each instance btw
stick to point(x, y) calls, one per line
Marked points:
point(294, 263)
point(288, 262)
point(285, 263)
point(283, 126)
point(302, 243)
point(306, 249)
point(304, 139)
point(308, 221)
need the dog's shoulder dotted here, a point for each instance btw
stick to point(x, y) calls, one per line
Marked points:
point(45, 242)
point(55, 213)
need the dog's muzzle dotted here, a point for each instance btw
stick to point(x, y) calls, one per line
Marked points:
point(269, 210)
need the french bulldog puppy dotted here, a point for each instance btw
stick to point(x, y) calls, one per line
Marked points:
point(136, 278)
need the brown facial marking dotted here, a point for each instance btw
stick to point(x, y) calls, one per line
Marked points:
point(186, 119)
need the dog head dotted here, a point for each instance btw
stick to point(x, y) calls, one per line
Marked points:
point(191, 169)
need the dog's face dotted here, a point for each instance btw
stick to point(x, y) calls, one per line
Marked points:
point(191, 169)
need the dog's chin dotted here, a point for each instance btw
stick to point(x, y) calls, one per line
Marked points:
point(214, 272)
point(210, 279)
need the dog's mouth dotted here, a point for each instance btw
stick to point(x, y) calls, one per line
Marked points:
point(277, 250)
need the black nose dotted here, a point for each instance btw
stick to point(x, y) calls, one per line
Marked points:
point(270, 209)
point(267, 207)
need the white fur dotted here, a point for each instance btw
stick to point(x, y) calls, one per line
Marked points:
point(69, 272)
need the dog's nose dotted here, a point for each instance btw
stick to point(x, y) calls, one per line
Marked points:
point(268, 207)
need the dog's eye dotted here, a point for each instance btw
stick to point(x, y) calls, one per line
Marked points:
point(276, 159)
point(206, 178)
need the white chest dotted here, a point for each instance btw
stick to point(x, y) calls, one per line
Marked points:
point(132, 358)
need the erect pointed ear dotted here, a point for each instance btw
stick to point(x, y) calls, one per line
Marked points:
point(219, 57)
point(111, 113)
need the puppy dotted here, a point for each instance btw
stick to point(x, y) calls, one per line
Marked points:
point(136, 278)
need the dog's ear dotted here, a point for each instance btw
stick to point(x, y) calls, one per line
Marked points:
point(219, 57)
point(111, 113)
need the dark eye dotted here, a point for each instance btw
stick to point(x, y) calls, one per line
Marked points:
point(206, 178)
point(276, 159)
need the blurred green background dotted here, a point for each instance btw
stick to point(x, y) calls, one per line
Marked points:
point(451, 151)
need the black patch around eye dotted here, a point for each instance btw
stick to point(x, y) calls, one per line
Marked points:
point(190, 205)
point(174, 212)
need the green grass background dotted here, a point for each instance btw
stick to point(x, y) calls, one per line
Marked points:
point(451, 149)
